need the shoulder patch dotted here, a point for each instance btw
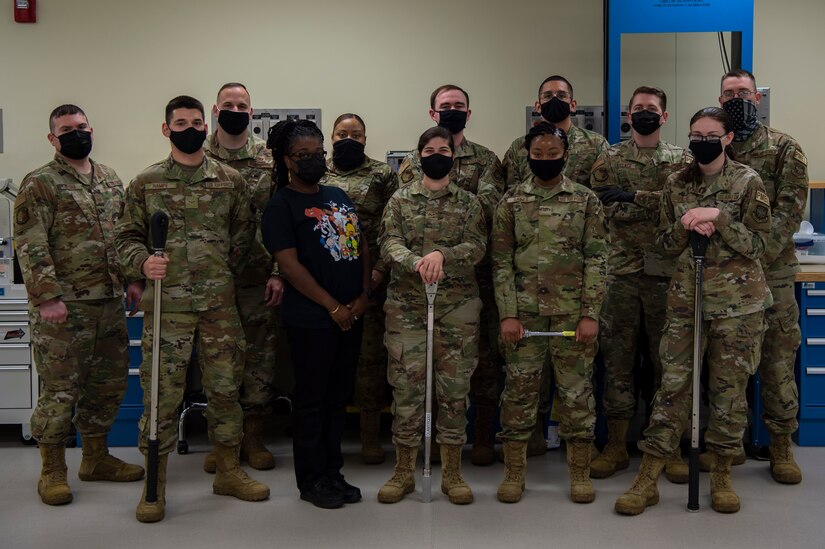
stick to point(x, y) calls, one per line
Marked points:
point(21, 215)
point(600, 174)
point(763, 198)
point(800, 157)
point(761, 214)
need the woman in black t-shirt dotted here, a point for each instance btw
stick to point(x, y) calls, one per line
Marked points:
point(314, 234)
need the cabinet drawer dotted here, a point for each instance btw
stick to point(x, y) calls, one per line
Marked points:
point(813, 298)
point(14, 332)
point(19, 316)
point(15, 386)
point(813, 322)
point(134, 325)
point(14, 306)
point(135, 353)
point(15, 353)
point(812, 385)
point(134, 392)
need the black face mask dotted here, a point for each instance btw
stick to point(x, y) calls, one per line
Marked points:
point(189, 140)
point(452, 120)
point(311, 170)
point(546, 169)
point(705, 151)
point(348, 154)
point(436, 166)
point(233, 122)
point(555, 110)
point(645, 122)
point(76, 144)
point(743, 114)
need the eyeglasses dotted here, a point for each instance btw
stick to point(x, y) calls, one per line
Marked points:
point(696, 138)
point(741, 94)
point(309, 156)
point(561, 94)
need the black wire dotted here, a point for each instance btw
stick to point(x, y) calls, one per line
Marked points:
point(723, 52)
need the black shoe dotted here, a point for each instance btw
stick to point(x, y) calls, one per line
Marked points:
point(351, 493)
point(322, 494)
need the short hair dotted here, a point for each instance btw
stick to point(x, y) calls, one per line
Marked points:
point(232, 85)
point(432, 133)
point(556, 78)
point(64, 110)
point(649, 90)
point(545, 128)
point(738, 73)
point(347, 116)
point(182, 102)
point(447, 87)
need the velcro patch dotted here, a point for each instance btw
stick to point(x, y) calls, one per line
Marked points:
point(160, 186)
point(572, 198)
point(70, 187)
point(520, 199)
point(600, 174)
point(728, 197)
point(800, 157)
point(763, 198)
point(219, 185)
point(21, 215)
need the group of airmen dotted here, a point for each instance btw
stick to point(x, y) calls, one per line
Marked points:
point(590, 252)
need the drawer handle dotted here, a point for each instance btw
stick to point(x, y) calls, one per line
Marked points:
point(134, 343)
point(815, 312)
point(13, 313)
point(134, 371)
point(5, 346)
point(15, 368)
point(816, 293)
point(13, 302)
point(815, 371)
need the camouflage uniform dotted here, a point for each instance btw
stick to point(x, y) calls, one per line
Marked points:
point(254, 163)
point(783, 167)
point(476, 169)
point(64, 230)
point(418, 221)
point(585, 147)
point(211, 228)
point(734, 297)
point(639, 274)
point(369, 186)
point(550, 265)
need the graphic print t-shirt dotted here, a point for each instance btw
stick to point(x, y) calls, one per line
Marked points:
point(323, 228)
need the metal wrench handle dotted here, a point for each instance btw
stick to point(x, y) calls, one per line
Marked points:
point(430, 290)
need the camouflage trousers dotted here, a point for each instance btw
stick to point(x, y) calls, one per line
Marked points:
point(258, 323)
point(83, 366)
point(780, 395)
point(485, 380)
point(629, 296)
point(573, 369)
point(371, 387)
point(455, 355)
point(732, 346)
point(218, 340)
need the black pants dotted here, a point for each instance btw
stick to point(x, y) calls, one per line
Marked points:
point(324, 362)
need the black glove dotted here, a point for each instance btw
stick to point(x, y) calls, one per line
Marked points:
point(608, 195)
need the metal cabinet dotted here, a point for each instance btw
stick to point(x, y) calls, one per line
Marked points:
point(810, 364)
point(18, 378)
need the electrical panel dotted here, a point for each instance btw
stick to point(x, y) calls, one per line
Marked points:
point(395, 158)
point(586, 116)
point(263, 119)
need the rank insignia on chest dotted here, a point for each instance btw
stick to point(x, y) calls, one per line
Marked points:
point(191, 201)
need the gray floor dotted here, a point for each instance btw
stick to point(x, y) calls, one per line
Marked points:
point(102, 514)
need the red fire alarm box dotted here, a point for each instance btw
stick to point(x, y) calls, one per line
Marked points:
point(25, 11)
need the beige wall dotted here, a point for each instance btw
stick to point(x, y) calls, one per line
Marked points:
point(122, 60)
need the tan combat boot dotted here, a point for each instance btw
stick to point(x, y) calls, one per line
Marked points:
point(99, 464)
point(515, 458)
point(452, 483)
point(723, 498)
point(231, 480)
point(402, 481)
point(644, 491)
point(154, 512)
point(372, 453)
point(614, 456)
point(706, 459)
point(483, 452)
point(209, 465)
point(578, 467)
point(783, 467)
point(253, 450)
point(676, 470)
point(52, 484)
point(537, 445)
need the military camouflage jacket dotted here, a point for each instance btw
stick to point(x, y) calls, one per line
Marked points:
point(369, 186)
point(475, 169)
point(549, 251)
point(733, 281)
point(211, 228)
point(254, 162)
point(64, 230)
point(418, 221)
point(585, 146)
point(632, 225)
point(780, 162)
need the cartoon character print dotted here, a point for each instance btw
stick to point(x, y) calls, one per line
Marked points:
point(338, 226)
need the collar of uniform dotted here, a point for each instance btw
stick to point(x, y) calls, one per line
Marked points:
point(207, 170)
point(215, 149)
point(419, 188)
point(338, 171)
point(564, 186)
point(755, 141)
point(66, 168)
point(467, 148)
point(719, 183)
point(634, 153)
